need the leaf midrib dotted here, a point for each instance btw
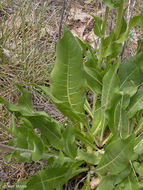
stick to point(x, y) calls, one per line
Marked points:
point(133, 107)
point(127, 78)
point(109, 163)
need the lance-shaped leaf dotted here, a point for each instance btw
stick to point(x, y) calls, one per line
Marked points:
point(73, 115)
point(118, 120)
point(67, 77)
point(130, 183)
point(111, 181)
point(97, 28)
point(109, 90)
point(139, 61)
point(53, 178)
point(92, 158)
point(49, 130)
point(24, 106)
point(48, 179)
point(130, 75)
point(117, 155)
point(107, 183)
point(48, 127)
point(70, 147)
point(25, 138)
point(136, 103)
point(138, 148)
point(85, 138)
point(134, 20)
point(94, 80)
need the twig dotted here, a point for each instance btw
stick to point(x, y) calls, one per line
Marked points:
point(62, 16)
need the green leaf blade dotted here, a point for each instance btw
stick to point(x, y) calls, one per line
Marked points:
point(67, 77)
point(117, 155)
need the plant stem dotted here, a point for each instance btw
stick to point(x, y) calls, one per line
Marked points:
point(103, 33)
point(119, 19)
point(7, 148)
point(88, 109)
point(94, 102)
point(107, 139)
point(12, 149)
point(105, 20)
point(62, 16)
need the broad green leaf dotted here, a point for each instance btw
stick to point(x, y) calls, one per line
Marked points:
point(113, 50)
point(123, 27)
point(92, 158)
point(130, 183)
point(94, 80)
point(16, 108)
point(67, 77)
point(140, 42)
point(49, 129)
point(43, 88)
point(88, 51)
point(109, 90)
point(120, 177)
point(84, 138)
point(70, 147)
point(59, 162)
point(92, 64)
point(139, 169)
point(123, 38)
point(97, 119)
point(118, 121)
point(82, 45)
point(49, 179)
point(25, 100)
point(27, 139)
point(74, 116)
point(91, 54)
point(130, 76)
point(138, 148)
point(117, 155)
point(108, 40)
point(107, 44)
point(136, 103)
point(110, 47)
point(107, 183)
point(134, 20)
point(139, 127)
point(98, 26)
point(24, 106)
point(12, 127)
point(52, 178)
point(139, 61)
point(141, 25)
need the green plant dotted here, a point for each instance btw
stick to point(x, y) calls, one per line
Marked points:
point(106, 134)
